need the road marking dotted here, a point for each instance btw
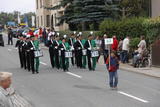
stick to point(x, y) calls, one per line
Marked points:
point(131, 96)
point(74, 74)
point(43, 63)
point(9, 49)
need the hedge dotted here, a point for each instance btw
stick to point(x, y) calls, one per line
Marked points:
point(133, 27)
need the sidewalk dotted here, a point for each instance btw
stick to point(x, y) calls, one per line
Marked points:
point(153, 72)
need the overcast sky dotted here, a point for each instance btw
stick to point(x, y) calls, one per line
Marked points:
point(19, 5)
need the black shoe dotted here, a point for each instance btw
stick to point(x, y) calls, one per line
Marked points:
point(33, 72)
point(37, 72)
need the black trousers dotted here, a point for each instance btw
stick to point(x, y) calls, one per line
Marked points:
point(28, 61)
point(105, 54)
point(21, 58)
point(51, 53)
point(89, 59)
point(24, 59)
point(63, 60)
point(10, 39)
point(72, 59)
point(57, 64)
point(79, 58)
point(32, 61)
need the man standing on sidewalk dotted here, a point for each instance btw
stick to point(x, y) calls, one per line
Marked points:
point(125, 50)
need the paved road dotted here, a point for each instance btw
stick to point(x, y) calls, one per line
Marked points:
point(79, 88)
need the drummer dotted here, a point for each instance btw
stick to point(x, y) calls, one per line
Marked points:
point(71, 42)
point(84, 57)
point(64, 47)
point(90, 45)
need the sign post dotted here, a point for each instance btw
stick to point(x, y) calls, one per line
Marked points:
point(109, 41)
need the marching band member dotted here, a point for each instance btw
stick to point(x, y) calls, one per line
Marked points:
point(27, 52)
point(24, 52)
point(64, 47)
point(94, 59)
point(84, 58)
point(71, 43)
point(56, 44)
point(78, 47)
point(19, 44)
point(90, 45)
point(30, 49)
point(51, 50)
point(36, 45)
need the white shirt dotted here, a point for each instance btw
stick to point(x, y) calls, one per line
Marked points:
point(125, 45)
point(141, 46)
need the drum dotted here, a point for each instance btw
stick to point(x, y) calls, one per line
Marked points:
point(68, 54)
point(84, 52)
point(94, 53)
point(38, 53)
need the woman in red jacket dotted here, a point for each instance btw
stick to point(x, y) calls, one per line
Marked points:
point(115, 44)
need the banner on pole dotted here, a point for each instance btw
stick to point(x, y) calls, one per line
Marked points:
point(108, 41)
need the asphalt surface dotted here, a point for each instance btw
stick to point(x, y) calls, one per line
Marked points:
point(78, 88)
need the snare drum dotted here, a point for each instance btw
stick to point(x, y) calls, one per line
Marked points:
point(38, 53)
point(94, 53)
point(84, 52)
point(68, 54)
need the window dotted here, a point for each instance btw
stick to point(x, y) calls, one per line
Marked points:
point(37, 21)
point(55, 18)
point(37, 3)
point(48, 20)
point(41, 20)
point(41, 3)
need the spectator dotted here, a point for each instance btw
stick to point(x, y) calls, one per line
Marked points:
point(120, 48)
point(115, 44)
point(98, 44)
point(105, 48)
point(140, 52)
point(125, 49)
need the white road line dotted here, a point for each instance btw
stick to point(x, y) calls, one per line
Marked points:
point(74, 74)
point(9, 49)
point(131, 96)
point(43, 63)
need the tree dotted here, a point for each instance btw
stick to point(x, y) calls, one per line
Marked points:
point(128, 8)
point(82, 13)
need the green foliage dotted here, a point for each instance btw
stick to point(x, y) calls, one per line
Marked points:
point(133, 27)
point(134, 43)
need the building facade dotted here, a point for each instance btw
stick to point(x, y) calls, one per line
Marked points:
point(49, 18)
point(155, 8)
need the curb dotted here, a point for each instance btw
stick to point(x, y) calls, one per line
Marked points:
point(130, 70)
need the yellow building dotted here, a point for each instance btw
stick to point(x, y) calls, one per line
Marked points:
point(49, 18)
